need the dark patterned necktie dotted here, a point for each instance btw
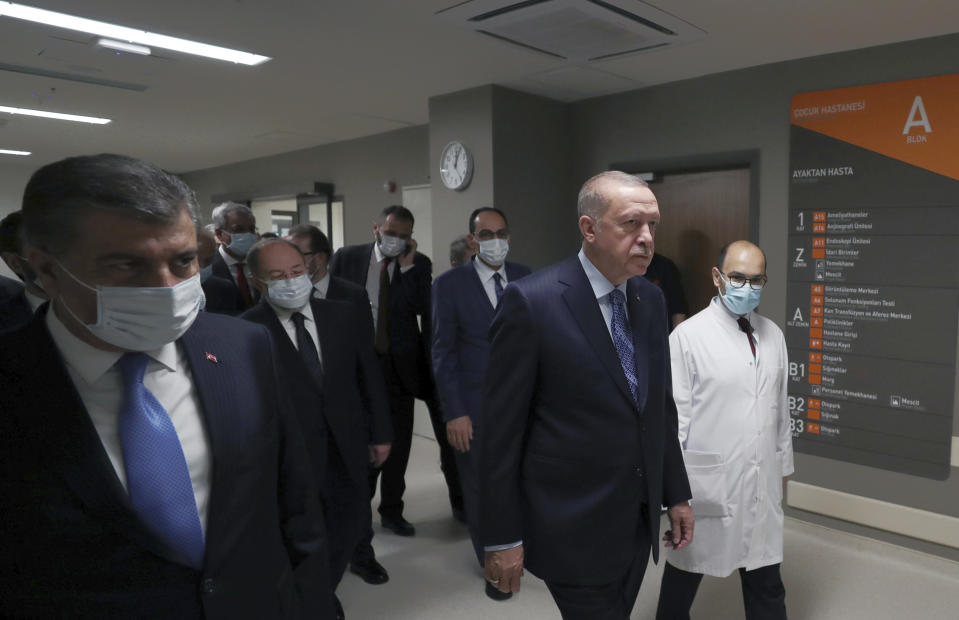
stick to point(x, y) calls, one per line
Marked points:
point(498, 286)
point(744, 326)
point(623, 341)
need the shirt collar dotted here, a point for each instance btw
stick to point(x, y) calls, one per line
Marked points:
point(726, 316)
point(601, 286)
point(378, 256)
point(323, 284)
point(230, 261)
point(90, 362)
point(485, 272)
point(286, 315)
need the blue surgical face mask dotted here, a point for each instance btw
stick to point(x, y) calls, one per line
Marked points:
point(206, 272)
point(740, 301)
point(240, 243)
point(142, 318)
point(291, 294)
point(392, 246)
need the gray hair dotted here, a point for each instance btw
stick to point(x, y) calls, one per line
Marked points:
point(458, 250)
point(593, 201)
point(253, 256)
point(210, 228)
point(59, 194)
point(221, 212)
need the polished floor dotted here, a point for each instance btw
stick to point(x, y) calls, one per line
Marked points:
point(829, 575)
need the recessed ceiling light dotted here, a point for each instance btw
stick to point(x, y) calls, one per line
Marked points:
point(133, 48)
point(55, 115)
point(9, 152)
point(132, 35)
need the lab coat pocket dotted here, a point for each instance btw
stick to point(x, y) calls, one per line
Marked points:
point(707, 481)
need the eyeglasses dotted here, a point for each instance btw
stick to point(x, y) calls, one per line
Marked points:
point(487, 235)
point(738, 281)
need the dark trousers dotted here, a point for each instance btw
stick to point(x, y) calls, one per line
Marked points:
point(764, 595)
point(611, 601)
point(393, 471)
point(449, 464)
point(466, 465)
point(343, 511)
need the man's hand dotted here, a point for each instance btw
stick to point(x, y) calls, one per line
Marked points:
point(379, 453)
point(504, 568)
point(459, 432)
point(681, 521)
point(406, 259)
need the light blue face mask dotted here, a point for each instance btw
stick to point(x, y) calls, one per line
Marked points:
point(240, 243)
point(740, 301)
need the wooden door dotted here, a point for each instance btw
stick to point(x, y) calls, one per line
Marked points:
point(701, 212)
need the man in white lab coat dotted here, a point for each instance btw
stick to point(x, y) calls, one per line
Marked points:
point(729, 369)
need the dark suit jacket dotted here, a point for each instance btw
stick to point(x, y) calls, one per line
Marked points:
point(381, 424)
point(238, 306)
point(72, 545)
point(339, 402)
point(566, 457)
point(409, 298)
point(15, 310)
point(222, 295)
point(462, 314)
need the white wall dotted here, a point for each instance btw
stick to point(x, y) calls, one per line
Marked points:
point(13, 178)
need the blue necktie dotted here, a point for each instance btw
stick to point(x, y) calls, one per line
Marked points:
point(623, 341)
point(498, 286)
point(158, 480)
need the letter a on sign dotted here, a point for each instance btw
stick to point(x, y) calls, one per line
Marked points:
point(917, 117)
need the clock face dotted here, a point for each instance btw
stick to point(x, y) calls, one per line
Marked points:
point(456, 166)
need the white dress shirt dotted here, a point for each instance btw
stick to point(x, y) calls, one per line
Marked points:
point(486, 273)
point(286, 320)
point(734, 431)
point(322, 287)
point(602, 288)
point(373, 278)
point(99, 383)
point(233, 264)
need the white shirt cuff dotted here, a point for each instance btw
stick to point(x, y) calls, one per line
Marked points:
point(492, 548)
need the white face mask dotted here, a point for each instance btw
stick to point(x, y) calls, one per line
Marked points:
point(142, 318)
point(494, 251)
point(392, 246)
point(291, 294)
point(240, 243)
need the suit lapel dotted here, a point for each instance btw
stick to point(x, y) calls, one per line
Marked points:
point(581, 300)
point(76, 451)
point(326, 332)
point(638, 310)
point(363, 264)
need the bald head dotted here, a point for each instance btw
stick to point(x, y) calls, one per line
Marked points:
point(742, 260)
point(741, 250)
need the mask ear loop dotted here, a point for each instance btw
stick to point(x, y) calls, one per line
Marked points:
point(83, 284)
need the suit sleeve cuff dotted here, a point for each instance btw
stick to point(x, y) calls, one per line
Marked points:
point(492, 548)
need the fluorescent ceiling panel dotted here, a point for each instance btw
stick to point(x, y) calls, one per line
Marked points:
point(132, 35)
point(9, 152)
point(55, 115)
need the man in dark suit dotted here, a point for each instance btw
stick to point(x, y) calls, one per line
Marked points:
point(397, 280)
point(235, 230)
point(220, 293)
point(464, 300)
point(317, 250)
point(120, 379)
point(332, 375)
point(18, 301)
point(579, 445)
